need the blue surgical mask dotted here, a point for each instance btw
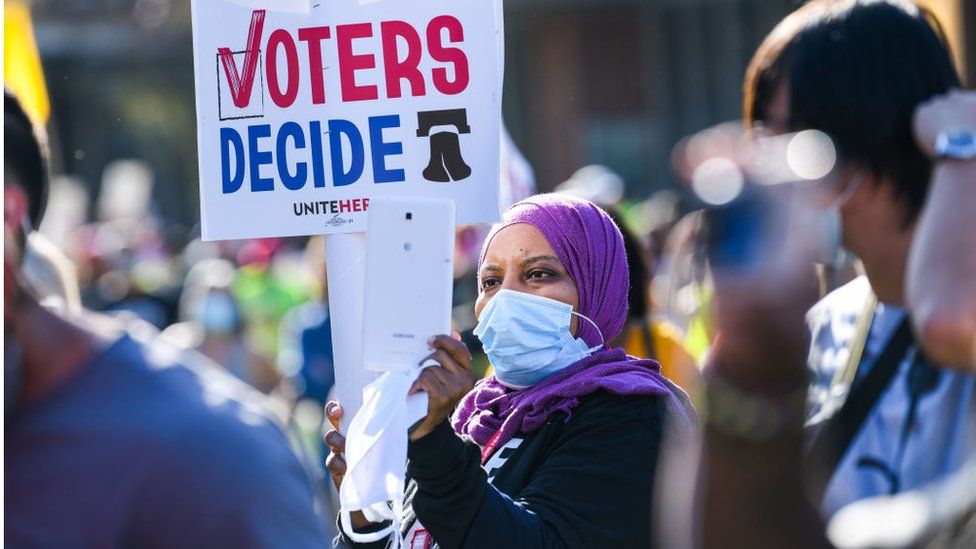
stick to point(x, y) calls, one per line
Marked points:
point(218, 314)
point(527, 337)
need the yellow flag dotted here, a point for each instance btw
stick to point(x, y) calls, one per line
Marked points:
point(22, 71)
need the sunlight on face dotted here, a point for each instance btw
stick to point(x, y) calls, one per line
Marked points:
point(520, 258)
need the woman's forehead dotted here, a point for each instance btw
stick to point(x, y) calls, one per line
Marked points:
point(517, 241)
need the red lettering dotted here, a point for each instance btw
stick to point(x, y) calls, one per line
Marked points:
point(455, 56)
point(365, 204)
point(343, 206)
point(357, 205)
point(313, 37)
point(241, 83)
point(349, 62)
point(281, 37)
point(397, 70)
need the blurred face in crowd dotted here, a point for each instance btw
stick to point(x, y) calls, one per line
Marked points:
point(864, 102)
point(869, 206)
point(520, 258)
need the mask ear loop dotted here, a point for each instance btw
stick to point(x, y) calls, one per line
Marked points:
point(603, 341)
point(849, 191)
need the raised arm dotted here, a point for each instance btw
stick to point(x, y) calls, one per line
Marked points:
point(942, 265)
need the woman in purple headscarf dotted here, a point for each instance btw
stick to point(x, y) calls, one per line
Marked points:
point(558, 448)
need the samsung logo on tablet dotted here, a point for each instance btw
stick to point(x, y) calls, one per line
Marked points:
point(403, 336)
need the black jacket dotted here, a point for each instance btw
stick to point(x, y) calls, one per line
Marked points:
point(587, 482)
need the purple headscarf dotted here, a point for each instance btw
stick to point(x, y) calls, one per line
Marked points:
point(591, 248)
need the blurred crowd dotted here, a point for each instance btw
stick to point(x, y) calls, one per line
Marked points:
point(259, 308)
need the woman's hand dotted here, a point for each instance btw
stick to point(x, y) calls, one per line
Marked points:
point(336, 462)
point(445, 384)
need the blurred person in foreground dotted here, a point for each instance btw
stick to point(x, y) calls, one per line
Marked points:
point(884, 418)
point(51, 274)
point(110, 441)
point(904, 472)
point(559, 447)
point(751, 477)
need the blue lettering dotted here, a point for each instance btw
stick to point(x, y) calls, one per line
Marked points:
point(229, 137)
point(338, 128)
point(297, 181)
point(259, 158)
point(381, 149)
point(315, 135)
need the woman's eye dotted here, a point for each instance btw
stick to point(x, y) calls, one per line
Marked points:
point(488, 283)
point(539, 274)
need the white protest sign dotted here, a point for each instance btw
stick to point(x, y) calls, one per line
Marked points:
point(303, 115)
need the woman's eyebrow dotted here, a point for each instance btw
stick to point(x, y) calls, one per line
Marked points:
point(538, 258)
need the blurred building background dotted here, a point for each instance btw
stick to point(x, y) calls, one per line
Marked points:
point(615, 82)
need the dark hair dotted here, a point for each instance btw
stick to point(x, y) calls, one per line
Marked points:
point(856, 69)
point(25, 154)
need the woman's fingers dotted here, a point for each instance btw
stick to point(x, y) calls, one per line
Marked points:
point(336, 442)
point(455, 348)
point(430, 383)
point(333, 410)
point(445, 359)
point(443, 375)
point(336, 465)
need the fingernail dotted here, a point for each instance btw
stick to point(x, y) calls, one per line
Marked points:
point(430, 341)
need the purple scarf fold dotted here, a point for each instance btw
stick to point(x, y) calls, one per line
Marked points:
point(491, 407)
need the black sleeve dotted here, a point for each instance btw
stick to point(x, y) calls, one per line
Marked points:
point(594, 488)
point(342, 540)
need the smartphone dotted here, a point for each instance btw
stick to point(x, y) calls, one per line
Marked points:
point(409, 279)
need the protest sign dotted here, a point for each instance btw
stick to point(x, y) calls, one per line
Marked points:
point(305, 111)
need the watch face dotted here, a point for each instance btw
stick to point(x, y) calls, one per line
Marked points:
point(956, 144)
point(961, 139)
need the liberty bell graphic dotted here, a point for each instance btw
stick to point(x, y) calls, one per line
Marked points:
point(446, 163)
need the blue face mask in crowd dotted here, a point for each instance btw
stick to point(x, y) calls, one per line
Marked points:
point(218, 314)
point(527, 337)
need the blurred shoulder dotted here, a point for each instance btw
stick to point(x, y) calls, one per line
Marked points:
point(223, 468)
point(192, 397)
